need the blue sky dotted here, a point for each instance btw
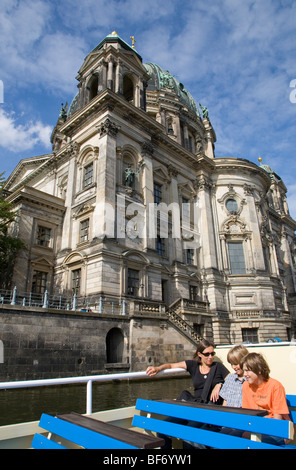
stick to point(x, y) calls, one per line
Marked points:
point(235, 57)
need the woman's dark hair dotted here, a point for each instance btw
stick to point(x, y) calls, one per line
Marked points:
point(202, 345)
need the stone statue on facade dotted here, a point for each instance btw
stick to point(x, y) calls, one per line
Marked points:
point(130, 174)
point(63, 112)
point(205, 112)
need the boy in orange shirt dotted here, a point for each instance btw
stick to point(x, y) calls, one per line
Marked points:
point(262, 392)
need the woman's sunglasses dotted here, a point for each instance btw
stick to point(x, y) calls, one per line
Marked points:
point(208, 354)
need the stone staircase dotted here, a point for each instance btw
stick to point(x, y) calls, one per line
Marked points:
point(180, 324)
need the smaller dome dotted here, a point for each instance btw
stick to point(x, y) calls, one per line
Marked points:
point(73, 106)
point(270, 171)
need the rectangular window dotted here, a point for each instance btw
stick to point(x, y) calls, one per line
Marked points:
point(190, 256)
point(193, 292)
point(160, 246)
point(133, 282)
point(84, 230)
point(185, 210)
point(76, 279)
point(250, 335)
point(190, 143)
point(236, 258)
point(266, 258)
point(88, 175)
point(39, 282)
point(43, 236)
point(157, 193)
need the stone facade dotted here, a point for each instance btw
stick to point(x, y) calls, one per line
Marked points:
point(133, 205)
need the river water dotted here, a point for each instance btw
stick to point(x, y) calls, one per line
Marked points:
point(22, 405)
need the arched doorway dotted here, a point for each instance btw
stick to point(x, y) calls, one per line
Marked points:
point(114, 346)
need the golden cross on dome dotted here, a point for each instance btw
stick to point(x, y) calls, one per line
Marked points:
point(133, 41)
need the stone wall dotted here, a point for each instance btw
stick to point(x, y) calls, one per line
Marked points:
point(45, 343)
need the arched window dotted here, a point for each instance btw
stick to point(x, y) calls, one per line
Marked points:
point(93, 87)
point(114, 345)
point(128, 88)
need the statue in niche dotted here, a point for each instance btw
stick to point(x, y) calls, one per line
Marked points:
point(130, 175)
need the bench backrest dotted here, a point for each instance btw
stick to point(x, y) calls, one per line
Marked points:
point(253, 424)
point(291, 400)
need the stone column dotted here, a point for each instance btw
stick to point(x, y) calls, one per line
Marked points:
point(148, 192)
point(110, 76)
point(105, 210)
point(205, 223)
point(67, 242)
point(174, 241)
point(102, 76)
point(255, 252)
point(119, 78)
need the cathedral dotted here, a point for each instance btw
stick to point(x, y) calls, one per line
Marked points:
point(133, 207)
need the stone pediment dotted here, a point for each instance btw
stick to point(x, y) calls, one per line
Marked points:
point(161, 175)
point(133, 255)
point(24, 169)
point(42, 261)
point(90, 59)
point(74, 257)
point(113, 45)
point(186, 189)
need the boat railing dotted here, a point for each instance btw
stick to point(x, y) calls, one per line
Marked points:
point(88, 380)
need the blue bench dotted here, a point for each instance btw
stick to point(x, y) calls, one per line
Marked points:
point(89, 433)
point(236, 418)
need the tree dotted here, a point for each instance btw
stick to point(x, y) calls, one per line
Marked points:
point(9, 246)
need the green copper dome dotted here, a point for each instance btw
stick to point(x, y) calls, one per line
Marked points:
point(161, 78)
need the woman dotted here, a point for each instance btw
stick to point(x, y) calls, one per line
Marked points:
point(207, 376)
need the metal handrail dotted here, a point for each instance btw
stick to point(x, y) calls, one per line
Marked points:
point(89, 379)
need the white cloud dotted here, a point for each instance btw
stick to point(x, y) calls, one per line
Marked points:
point(35, 53)
point(17, 137)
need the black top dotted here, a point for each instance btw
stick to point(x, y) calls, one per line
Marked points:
point(129, 436)
point(199, 380)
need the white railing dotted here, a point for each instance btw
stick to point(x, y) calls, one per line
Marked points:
point(85, 379)
point(93, 303)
